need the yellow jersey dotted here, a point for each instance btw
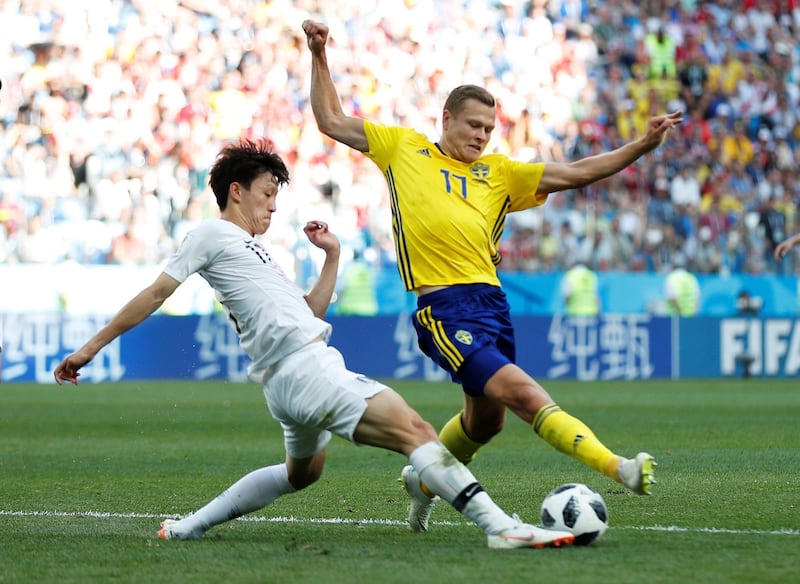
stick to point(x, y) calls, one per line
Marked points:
point(448, 216)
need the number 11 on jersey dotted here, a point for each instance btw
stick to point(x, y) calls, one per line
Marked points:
point(450, 177)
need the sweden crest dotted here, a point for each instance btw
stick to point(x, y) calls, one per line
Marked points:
point(464, 337)
point(479, 170)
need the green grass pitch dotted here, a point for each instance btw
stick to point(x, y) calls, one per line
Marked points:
point(88, 472)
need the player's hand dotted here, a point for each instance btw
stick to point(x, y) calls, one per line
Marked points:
point(318, 234)
point(67, 370)
point(316, 35)
point(659, 126)
point(782, 248)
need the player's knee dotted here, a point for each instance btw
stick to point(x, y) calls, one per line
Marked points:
point(414, 434)
point(526, 400)
point(423, 428)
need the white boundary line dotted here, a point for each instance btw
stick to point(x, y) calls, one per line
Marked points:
point(338, 520)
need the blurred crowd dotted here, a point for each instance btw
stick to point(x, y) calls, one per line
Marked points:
point(113, 110)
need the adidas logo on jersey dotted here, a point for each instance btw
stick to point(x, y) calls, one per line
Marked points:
point(424, 152)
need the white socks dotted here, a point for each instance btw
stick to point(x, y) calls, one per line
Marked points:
point(453, 482)
point(250, 493)
point(437, 468)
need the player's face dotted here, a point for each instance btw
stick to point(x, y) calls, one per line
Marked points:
point(258, 203)
point(466, 134)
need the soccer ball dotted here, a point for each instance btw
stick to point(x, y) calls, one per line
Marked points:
point(578, 509)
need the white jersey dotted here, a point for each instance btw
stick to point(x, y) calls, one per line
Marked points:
point(268, 311)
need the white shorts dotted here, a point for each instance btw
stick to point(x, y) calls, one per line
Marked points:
point(313, 395)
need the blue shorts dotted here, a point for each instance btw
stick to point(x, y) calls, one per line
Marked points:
point(466, 330)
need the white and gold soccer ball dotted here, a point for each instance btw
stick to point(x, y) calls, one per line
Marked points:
point(578, 509)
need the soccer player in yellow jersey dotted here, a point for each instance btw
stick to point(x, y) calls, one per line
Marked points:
point(449, 204)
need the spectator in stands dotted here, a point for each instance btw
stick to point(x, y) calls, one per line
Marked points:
point(549, 248)
point(520, 251)
point(693, 78)
point(773, 222)
point(706, 253)
point(569, 245)
point(660, 208)
point(620, 245)
point(684, 188)
point(38, 243)
point(595, 249)
point(736, 146)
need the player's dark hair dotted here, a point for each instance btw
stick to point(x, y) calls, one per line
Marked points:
point(455, 101)
point(243, 162)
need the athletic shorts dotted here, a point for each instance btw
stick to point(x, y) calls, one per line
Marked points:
point(313, 395)
point(466, 329)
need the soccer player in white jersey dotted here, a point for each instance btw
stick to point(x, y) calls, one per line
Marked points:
point(307, 387)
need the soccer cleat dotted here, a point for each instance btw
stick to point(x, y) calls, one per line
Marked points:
point(522, 535)
point(421, 504)
point(169, 530)
point(638, 474)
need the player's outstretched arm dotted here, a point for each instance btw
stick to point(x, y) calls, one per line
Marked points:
point(573, 175)
point(325, 102)
point(783, 247)
point(140, 307)
point(319, 298)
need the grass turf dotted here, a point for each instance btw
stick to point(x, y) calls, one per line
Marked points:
point(87, 473)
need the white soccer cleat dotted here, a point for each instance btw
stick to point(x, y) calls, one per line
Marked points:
point(421, 504)
point(170, 530)
point(523, 535)
point(638, 474)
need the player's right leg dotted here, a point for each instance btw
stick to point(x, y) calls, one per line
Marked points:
point(566, 433)
point(455, 438)
point(388, 422)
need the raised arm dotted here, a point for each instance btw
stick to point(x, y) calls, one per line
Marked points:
point(139, 308)
point(573, 175)
point(325, 102)
point(319, 298)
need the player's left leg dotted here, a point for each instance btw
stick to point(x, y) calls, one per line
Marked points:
point(290, 396)
point(250, 493)
point(566, 433)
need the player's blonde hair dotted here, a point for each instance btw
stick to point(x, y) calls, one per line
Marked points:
point(455, 101)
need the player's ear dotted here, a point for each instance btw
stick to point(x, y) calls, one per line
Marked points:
point(446, 116)
point(235, 192)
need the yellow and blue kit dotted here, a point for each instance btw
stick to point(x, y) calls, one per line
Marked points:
point(447, 220)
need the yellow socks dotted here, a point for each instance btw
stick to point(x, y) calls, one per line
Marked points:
point(456, 440)
point(562, 431)
point(571, 436)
